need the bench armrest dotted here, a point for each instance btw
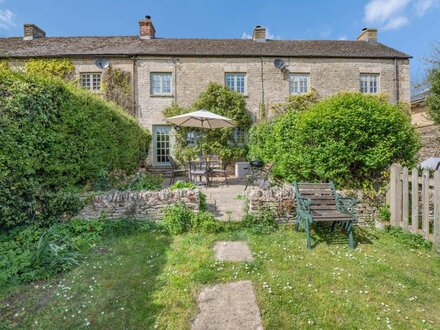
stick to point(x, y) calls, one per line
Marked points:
point(346, 204)
point(304, 204)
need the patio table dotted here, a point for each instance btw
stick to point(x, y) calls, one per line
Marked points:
point(201, 168)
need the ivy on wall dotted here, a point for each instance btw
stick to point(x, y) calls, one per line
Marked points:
point(56, 67)
point(221, 100)
point(116, 85)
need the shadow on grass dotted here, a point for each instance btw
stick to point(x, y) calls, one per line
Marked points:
point(127, 269)
point(322, 233)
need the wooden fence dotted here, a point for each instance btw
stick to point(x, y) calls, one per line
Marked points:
point(415, 201)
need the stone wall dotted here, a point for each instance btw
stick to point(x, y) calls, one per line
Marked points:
point(281, 201)
point(143, 205)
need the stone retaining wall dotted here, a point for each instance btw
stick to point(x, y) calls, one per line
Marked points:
point(281, 201)
point(142, 205)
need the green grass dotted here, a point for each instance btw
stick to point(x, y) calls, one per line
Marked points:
point(151, 280)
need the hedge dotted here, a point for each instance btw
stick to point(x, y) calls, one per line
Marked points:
point(349, 138)
point(55, 138)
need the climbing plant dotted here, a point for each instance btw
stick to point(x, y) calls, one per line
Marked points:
point(61, 68)
point(220, 100)
point(299, 102)
point(4, 66)
point(116, 85)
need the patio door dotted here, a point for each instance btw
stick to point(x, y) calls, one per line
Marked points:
point(161, 145)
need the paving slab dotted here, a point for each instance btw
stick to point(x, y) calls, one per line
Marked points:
point(230, 306)
point(232, 251)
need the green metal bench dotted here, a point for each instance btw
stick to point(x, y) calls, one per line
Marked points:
point(319, 202)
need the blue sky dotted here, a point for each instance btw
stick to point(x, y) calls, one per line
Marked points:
point(411, 26)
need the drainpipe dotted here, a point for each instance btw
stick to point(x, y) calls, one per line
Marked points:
point(396, 66)
point(174, 60)
point(133, 85)
point(262, 83)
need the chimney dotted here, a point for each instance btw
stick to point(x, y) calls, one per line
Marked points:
point(259, 34)
point(147, 30)
point(31, 32)
point(369, 35)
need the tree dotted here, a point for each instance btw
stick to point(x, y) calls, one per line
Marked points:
point(433, 100)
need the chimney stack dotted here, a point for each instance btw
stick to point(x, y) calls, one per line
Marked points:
point(369, 35)
point(259, 34)
point(147, 30)
point(31, 32)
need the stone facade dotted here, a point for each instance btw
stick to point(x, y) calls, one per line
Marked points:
point(143, 205)
point(281, 201)
point(264, 82)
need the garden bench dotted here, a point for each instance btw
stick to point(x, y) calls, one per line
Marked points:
point(319, 202)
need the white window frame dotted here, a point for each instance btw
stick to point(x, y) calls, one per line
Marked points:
point(369, 78)
point(298, 78)
point(239, 136)
point(234, 87)
point(90, 76)
point(161, 76)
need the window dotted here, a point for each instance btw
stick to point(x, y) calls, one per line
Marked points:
point(192, 138)
point(91, 81)
point(239, 136)
point(299, 83)
point(236, 82)
point(161, 83)
point(369, 83)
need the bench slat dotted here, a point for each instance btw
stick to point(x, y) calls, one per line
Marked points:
point(314, 185)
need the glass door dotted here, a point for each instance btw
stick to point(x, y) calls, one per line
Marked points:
point(161, 145)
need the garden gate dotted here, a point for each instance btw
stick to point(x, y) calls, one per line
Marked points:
point(415, 201)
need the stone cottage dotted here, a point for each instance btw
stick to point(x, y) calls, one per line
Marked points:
point(166, 70)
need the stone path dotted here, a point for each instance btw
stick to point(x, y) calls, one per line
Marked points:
point(222, 200)
point(230, 306)
point(232, 251)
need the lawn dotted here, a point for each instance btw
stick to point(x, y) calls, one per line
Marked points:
point(151, 280)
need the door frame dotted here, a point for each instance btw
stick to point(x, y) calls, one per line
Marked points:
point(154, 130)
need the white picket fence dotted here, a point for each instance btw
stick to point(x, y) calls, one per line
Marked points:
point(415, 201)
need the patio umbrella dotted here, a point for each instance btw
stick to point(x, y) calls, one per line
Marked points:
point(201, 119)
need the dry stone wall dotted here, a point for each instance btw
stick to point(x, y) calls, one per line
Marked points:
point(281, 201)
point(142, 205)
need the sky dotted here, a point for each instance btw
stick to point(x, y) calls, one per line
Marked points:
point(411, 26)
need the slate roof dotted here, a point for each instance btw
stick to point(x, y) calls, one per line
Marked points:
point(16, 47)
point(421, 96)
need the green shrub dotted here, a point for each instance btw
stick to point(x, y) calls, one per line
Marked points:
point(433, 100)
point(349, 138)
point(55, 136)
point(177, 218)
point(261, 223)
point(34, 252)
point(4, 66)
point(205, 222)
point(408, 239)
point(385, 213)
point(146, 181)
point(179, 184)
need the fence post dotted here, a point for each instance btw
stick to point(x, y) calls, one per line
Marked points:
point(405, 198)
point(425, 204)
point(415, 200)
point(395, 173)
point(437, 209)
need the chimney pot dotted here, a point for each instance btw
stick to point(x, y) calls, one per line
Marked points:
point(259, 34)
point(369, 35)
point(31, 32)
point(147, 30)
